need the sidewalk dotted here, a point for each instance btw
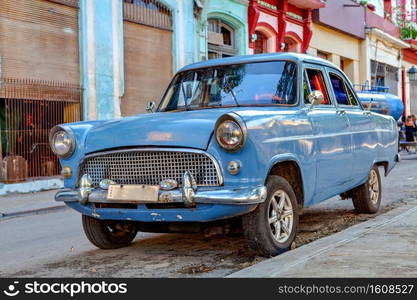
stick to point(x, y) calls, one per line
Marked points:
point(17, 204)
point(385, 246)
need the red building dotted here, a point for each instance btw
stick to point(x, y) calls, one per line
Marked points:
point(280, 25)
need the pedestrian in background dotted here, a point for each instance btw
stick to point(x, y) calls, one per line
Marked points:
point(414, 118)
point(410, 129)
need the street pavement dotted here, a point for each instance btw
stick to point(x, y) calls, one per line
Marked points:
point(52, 243)
point(385, 246)
point(13, 205)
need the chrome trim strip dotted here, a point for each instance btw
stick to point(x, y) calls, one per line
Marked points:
point(185, 150)
point(320, 136)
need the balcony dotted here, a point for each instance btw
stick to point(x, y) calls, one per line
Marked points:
point(375, 21)
point(304, 4)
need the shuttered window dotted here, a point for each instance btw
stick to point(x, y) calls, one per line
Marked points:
point(39, 40)
point(39, 83)
point(148, 53)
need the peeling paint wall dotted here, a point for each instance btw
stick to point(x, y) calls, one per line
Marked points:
point(101, 51)
point(101, 58)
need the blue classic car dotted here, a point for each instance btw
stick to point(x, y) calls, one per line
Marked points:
point(250, 139)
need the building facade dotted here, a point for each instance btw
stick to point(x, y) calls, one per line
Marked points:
point(130, 60)
point(392, 39)
point(409, 90)
point(97, 59)
point(104, 59)
point(339, 33)
point(383, 50)
point(146, 43)
point(276, 25)
point(221, 29)
point(40, 76)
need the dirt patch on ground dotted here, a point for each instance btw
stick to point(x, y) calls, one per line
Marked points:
point(315, 223)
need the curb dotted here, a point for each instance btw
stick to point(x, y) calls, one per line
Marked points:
point(28, 187)
point(276, 266)
point(32, 211)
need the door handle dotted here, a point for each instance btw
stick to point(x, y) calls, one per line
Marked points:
point(367, 113)
point(341, 112)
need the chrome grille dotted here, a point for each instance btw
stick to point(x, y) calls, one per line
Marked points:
point(150, 167)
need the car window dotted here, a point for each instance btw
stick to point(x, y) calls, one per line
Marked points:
point(314, 80)
point(342, 93)
point(306, 90)
point(246, 84)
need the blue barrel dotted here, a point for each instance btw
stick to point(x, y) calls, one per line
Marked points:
point(382, 103)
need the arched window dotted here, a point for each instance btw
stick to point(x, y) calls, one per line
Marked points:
point(221, 39)
point(261, 43)
point(291, 45)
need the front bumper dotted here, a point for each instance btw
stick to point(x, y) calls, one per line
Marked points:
point(200, 213)
point(235, 196)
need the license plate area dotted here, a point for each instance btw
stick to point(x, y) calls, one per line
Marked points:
point(133, 193)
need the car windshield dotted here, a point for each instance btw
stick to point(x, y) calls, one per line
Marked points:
point(264, 83)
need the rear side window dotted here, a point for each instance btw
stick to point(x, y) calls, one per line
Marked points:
point(342, 93)
point(314, 80)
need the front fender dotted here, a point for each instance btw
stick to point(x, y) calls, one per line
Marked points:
point(308, 175)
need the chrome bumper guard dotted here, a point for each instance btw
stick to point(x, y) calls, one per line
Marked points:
point(238, 196)
point(188, 194)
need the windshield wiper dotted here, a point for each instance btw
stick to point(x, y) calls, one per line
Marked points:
point(185, 97)
point(232, 91)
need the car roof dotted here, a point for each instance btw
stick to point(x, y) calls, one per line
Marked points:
point(295, 57)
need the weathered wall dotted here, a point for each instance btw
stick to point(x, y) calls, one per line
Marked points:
point(101, 51)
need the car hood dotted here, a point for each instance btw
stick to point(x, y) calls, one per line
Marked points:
point(191, 129)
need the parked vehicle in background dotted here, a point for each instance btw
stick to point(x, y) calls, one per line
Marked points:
point(379, 100)
point(252, 138)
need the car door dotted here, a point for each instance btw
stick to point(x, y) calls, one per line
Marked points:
point(331, 137)
point(362, 126)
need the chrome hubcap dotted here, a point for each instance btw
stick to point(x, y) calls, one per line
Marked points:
point(373, 187)
point(281, 216)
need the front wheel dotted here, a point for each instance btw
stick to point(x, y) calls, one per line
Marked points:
point(271, 228)
point(367, 197)
point(108, 234)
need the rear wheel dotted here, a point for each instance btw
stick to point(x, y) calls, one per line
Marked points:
point(367, 197)
point(108, 234)
point(271, 228)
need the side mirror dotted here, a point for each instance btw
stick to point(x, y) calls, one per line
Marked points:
point(316, 97)
point(150, 107)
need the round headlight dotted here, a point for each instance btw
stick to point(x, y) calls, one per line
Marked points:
point(230, 133)
point(62, 143)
